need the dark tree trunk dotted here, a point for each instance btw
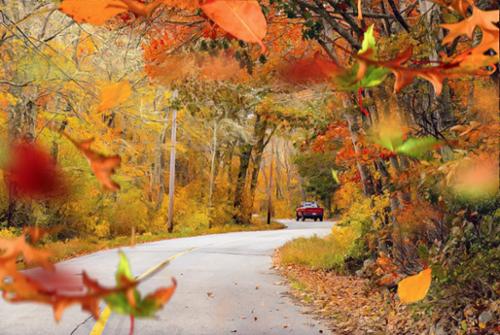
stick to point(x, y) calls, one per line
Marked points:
point(245, 155)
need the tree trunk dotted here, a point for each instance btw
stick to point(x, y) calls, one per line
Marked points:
point(270, 189)
point(21, 125)
point(245, 155)
point(158, 180)
point(366, 178)
point(171, 184)
point(212, 172)
point(258, 151)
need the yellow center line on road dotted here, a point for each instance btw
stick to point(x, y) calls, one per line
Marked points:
point(106, 312)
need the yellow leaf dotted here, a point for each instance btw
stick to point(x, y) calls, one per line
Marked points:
point(415, 288)
point(114, 94)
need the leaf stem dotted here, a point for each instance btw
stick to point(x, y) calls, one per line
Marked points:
point(132, 323)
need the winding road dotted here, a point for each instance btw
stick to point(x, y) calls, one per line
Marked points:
point(226, 286)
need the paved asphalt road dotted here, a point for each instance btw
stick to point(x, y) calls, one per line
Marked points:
point(226, 286)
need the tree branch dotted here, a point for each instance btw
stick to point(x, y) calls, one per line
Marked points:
point(398, 16)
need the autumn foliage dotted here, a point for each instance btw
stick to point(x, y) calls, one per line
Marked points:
point(384, 111)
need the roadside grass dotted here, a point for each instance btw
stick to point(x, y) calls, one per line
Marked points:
point(319, 253)
point(62, 250)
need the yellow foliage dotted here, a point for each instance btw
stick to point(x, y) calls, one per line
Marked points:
point(7, 99)
point(348, 194)
point(8, 233)
point(102, 230)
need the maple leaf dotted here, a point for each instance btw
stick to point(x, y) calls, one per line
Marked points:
point(460, 6)
point(241, 18)
point(131, 302)
point(485, 20)
point(32, 173)
point(101, 165)
point(86, 45)
point(405, 75)
point(114, 94)
point(415, 288)
point(61, 289)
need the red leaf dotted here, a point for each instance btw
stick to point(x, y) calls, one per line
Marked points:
point(32, 173)
point(315, 69)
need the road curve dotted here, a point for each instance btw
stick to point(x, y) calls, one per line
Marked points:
point(226, 286)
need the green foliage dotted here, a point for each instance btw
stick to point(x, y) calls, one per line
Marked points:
point(316, 169)
point(470, 263)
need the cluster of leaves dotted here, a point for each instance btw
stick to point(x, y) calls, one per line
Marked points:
point(62, 288)
point(368, 71)
point(242, 19)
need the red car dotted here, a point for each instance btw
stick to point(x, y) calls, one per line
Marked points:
point(309, 210)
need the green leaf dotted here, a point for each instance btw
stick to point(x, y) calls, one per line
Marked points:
point(373, 76)
point(368, 41)
point(144, 307)
point(118, 303)
point(417, 147)
point(123, 268)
